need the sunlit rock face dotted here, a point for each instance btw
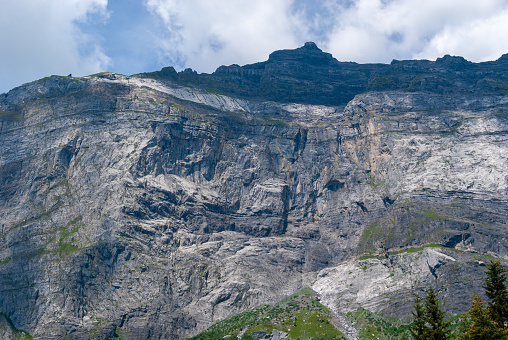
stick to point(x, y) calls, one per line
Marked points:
point(154, 205)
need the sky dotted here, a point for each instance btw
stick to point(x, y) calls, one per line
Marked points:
point(39, 38)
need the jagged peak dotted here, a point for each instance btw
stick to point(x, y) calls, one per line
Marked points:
point(309, 52)
point(452, 60)
point(310, 45)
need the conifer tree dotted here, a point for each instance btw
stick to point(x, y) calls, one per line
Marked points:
point(495, 289)
point(438, 328)
point(418, 328)
point(478, 324)
point(429, 323)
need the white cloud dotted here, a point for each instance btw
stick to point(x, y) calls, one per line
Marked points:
point(205, 34)
point(479, 40)
point(42, 37)
point(381, 30)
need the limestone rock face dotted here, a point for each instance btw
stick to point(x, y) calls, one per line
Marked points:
point(142, 208)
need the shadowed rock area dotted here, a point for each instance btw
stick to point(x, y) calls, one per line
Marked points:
point(310, 76)
point(152, 206)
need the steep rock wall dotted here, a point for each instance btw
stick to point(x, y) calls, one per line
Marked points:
point(143, 208)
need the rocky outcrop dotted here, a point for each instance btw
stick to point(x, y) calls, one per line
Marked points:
point(311, 76)
point(142, 208)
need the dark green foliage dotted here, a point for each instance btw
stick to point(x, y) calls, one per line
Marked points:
point(495, 289)
point(418, 327)
point(478, 324)
point(429, 322)
point(438, 328)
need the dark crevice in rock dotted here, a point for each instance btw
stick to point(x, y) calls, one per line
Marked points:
point(456, 239)
point(334, 185)
point(387, 201)
point(362, 206)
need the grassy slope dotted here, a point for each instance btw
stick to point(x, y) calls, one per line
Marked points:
point(375, 326)
point(303, 317)
point(299, 315)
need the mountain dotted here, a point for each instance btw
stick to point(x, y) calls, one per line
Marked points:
point(155, 205)
point(308, 75)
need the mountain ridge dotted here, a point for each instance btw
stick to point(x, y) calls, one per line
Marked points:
point(309, 75)
point(152, 207)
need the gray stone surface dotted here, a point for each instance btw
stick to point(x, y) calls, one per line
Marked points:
point(141, 208)
point(279, 335)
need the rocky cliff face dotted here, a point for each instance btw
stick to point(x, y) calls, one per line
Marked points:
point(308, 75)
point(152, 206)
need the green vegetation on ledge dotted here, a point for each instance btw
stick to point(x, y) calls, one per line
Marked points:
point(300, 315)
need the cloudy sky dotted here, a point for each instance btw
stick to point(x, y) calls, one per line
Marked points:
point(44, 37)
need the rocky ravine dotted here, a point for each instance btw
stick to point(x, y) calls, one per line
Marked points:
point(143, 208)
